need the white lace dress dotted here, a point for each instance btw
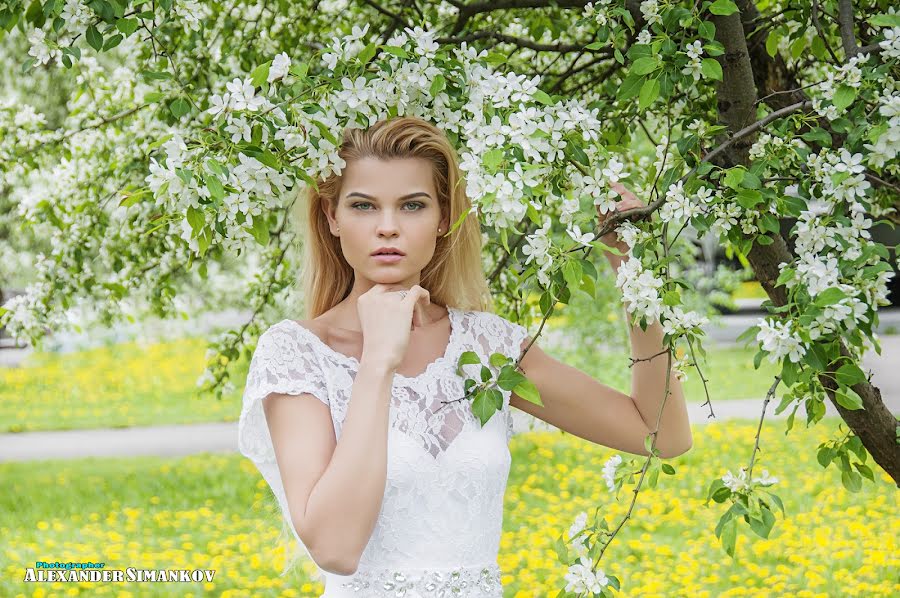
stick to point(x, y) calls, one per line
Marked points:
point(438, 531)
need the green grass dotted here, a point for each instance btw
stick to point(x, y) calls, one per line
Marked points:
point(132, 385)
point(214, 512)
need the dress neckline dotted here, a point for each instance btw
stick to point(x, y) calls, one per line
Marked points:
point(452, 314)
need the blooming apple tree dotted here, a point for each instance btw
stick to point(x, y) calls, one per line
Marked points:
point(190, 128)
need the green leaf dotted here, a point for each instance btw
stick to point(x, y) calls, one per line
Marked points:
point(723, 7)
point(438, 85)
point(843, 96)
point(483, 406)
point(367, 53)
point(711, 69)
point(94, 38)
point(885, 20)
point(649, 93)
point(179, 107)
point(498, 360)
point(260, 231)
point(850, 374)
point(509, 379)
point(127, 26)
point(112, 42)
point(848, 399)
point(630, 87)
point(260, 74)
point(772, 42)
point(542, 97)
point(865, 470)
point(492, 158)
point(829, 296)
point(216, 191)
point(851, 480)
point(644, 65)
point(729, 532)
point(764, 526)
point(707, 30)
point(819, 135)
point(528, 391)
point(467, 357)
point(748, 198)
point(396, 51)
point(734, 176)
point(195, 218)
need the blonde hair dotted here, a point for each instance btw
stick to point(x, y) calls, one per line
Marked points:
point(454, 276)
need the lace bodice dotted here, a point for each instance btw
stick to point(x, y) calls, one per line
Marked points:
point(442, 512)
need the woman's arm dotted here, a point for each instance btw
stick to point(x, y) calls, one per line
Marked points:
point(577, 403)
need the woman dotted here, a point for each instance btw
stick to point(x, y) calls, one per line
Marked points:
point(353, 416)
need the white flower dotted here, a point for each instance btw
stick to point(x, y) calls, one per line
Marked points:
point(650, 10)
point(737, 483)
point(578, 526)
point(239, 128)
point(609, 471)
point(613, 171)
point(219, 104)
point(644, 37)
point(765, 480)
point(639, 289)
point(576, 234)
point(777, 338)
point(281, 64)
point(582, 578)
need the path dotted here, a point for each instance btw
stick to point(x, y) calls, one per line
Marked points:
point(178, 440)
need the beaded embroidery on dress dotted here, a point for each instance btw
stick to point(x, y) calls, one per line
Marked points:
point(439, 527)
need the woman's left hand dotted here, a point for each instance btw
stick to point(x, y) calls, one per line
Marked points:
point(629, 200)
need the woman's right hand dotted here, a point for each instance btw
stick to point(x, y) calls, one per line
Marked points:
point(386, 321)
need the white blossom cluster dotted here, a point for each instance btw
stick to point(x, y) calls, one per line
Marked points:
point(780, 339)
point(599, 12)
point(740, 483)
point(609, 471)
point(680, 208)
point(192, 13)
point(891, 43)
point(784, 148)
point(694, 53)
point(883, 152)
point(848, 73)
point(839, 176)
point(650, 10)
point(580, 576)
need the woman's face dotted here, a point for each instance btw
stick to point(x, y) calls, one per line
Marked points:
point(387, 203)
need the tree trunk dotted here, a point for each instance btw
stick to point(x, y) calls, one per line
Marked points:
point(875, 425)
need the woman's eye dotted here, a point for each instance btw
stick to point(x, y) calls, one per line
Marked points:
point(409, 203)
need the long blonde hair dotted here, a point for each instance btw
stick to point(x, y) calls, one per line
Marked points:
point(454, 276)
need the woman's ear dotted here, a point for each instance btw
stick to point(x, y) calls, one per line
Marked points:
point(328, 209)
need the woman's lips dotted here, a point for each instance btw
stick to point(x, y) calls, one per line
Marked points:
point(387, 258)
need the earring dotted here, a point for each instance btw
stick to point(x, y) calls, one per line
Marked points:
point(339, 229)
point(439, 230)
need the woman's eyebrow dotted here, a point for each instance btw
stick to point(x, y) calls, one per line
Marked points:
point(407, 196)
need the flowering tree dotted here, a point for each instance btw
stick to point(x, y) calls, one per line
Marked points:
point(190, 128)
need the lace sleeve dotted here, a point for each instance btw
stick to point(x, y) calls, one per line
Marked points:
point(283, 362)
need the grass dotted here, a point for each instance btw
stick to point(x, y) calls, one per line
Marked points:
point(133, 385)
point(215, 511)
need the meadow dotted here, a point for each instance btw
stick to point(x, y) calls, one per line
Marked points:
point(214, 511)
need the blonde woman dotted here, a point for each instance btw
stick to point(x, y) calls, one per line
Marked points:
point(387, 479)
